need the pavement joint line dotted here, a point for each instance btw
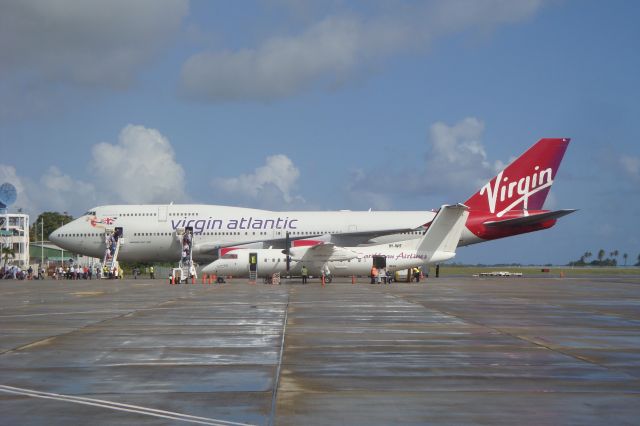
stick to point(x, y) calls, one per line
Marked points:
point(118, 406)
point(515, 336)
point(93, 324)
point(274, 396)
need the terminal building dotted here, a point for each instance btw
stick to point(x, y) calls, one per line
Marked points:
point(14, 239)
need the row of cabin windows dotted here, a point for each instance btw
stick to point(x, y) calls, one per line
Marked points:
point(274, 260)
point(158, 234)
point(153, 214)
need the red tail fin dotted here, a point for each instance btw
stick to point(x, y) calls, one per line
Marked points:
point(525, 183)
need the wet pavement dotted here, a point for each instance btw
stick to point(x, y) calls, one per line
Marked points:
point(451, 351)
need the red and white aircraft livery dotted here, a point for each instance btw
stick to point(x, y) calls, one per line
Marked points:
point(510, 204)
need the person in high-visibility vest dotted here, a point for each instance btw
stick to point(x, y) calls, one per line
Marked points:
point(152, 274)
point(305, 274)
point(416, 274)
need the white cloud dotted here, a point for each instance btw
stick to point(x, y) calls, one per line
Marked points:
point(455, 166)
point(140, 168)
point(457, 159)
point(54, 191)
point(269, 184)
point(86, 42)
point(23, 201)
point(50, 50)
point(61, 192)
point(281, 67)
point(332, 49)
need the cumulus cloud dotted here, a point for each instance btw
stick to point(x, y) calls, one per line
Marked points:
point(8, 174)
point(268, 185)
point(54, 191)
point(457, 159)
point(455, 165)
point(61, 192)
point(332, 49)
point(140, 168)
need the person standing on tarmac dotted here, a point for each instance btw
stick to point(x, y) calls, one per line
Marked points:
point(305, 274)
point(152, 274)
point(374, 274)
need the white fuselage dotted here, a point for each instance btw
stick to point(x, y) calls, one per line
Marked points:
point(352, 261)
point(149, 231)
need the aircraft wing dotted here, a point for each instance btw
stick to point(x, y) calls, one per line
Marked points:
point(528, 220)
point(323, 252)
point(343, 239)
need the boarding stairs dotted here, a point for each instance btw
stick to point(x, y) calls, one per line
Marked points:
point(253, 276)
point(185, 269)
point(111, 260)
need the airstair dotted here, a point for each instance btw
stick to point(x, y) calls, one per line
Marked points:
point(113, 240)
point(186, 268)
point(253, 276)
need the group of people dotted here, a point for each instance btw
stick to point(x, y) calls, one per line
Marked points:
point(381, 276)
point(13, 272)
point(111, 241)
point(75, 272)
point(187, 239)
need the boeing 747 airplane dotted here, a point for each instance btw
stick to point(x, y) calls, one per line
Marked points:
point(510, 204)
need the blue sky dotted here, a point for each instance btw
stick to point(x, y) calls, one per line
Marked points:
point(325, 105)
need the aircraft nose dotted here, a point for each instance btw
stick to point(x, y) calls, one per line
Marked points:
point(56, 236)
point(213, 268)
point(210, 268)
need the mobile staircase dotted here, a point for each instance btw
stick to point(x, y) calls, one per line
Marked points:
point(186, 268)
point(113, 240)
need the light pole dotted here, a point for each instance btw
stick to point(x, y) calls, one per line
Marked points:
point(62, 251)
point(42, 242)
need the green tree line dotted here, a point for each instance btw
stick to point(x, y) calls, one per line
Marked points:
point(49, 221)
point(601, 260)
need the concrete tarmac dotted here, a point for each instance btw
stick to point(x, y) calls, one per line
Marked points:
point(463, 351)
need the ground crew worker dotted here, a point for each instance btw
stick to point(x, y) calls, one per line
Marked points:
point(152, 275)
point(305, 274)
point(416, 274)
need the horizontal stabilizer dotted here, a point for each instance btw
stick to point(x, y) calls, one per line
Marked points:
point(532, 219)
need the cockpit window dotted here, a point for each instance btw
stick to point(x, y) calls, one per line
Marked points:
point(90, 213)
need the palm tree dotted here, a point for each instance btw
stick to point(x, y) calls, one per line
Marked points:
point(588, 254)
point(625, 256)
point(9, 251)
point(601, 254)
